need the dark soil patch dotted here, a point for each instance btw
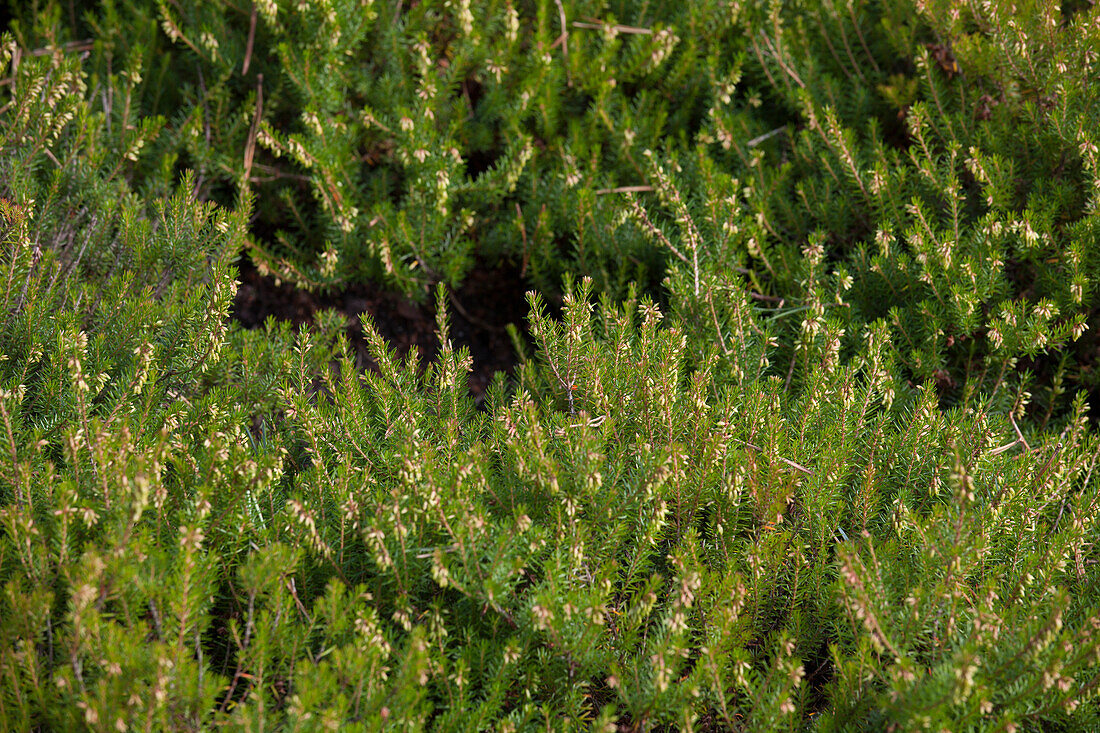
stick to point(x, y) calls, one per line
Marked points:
point(480, 310)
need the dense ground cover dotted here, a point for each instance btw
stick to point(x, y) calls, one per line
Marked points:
point(803, 440)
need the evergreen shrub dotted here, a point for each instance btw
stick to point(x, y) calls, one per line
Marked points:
point(942, 156)
point(751, 500)
point(944, 171)
point(407, 141)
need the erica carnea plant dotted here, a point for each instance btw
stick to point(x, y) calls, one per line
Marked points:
point(805, 487)
point(408, 141)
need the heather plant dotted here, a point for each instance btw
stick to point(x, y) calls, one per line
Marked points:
point(622, 539)
point(405, 142)
point(937, 159)
point(113, 309)
point(943, 173)
point(749, 507)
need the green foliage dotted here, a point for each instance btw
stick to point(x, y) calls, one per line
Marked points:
point(939, 160)
point(407, 143)
point(943, 178)
point(800, 488)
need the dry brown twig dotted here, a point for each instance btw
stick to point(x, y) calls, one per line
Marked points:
point(250, 146)
point(1020, 440)
point(251, 40)
point(787, 461)
point(624, 189)
point(624, 29)
point(564, 38)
